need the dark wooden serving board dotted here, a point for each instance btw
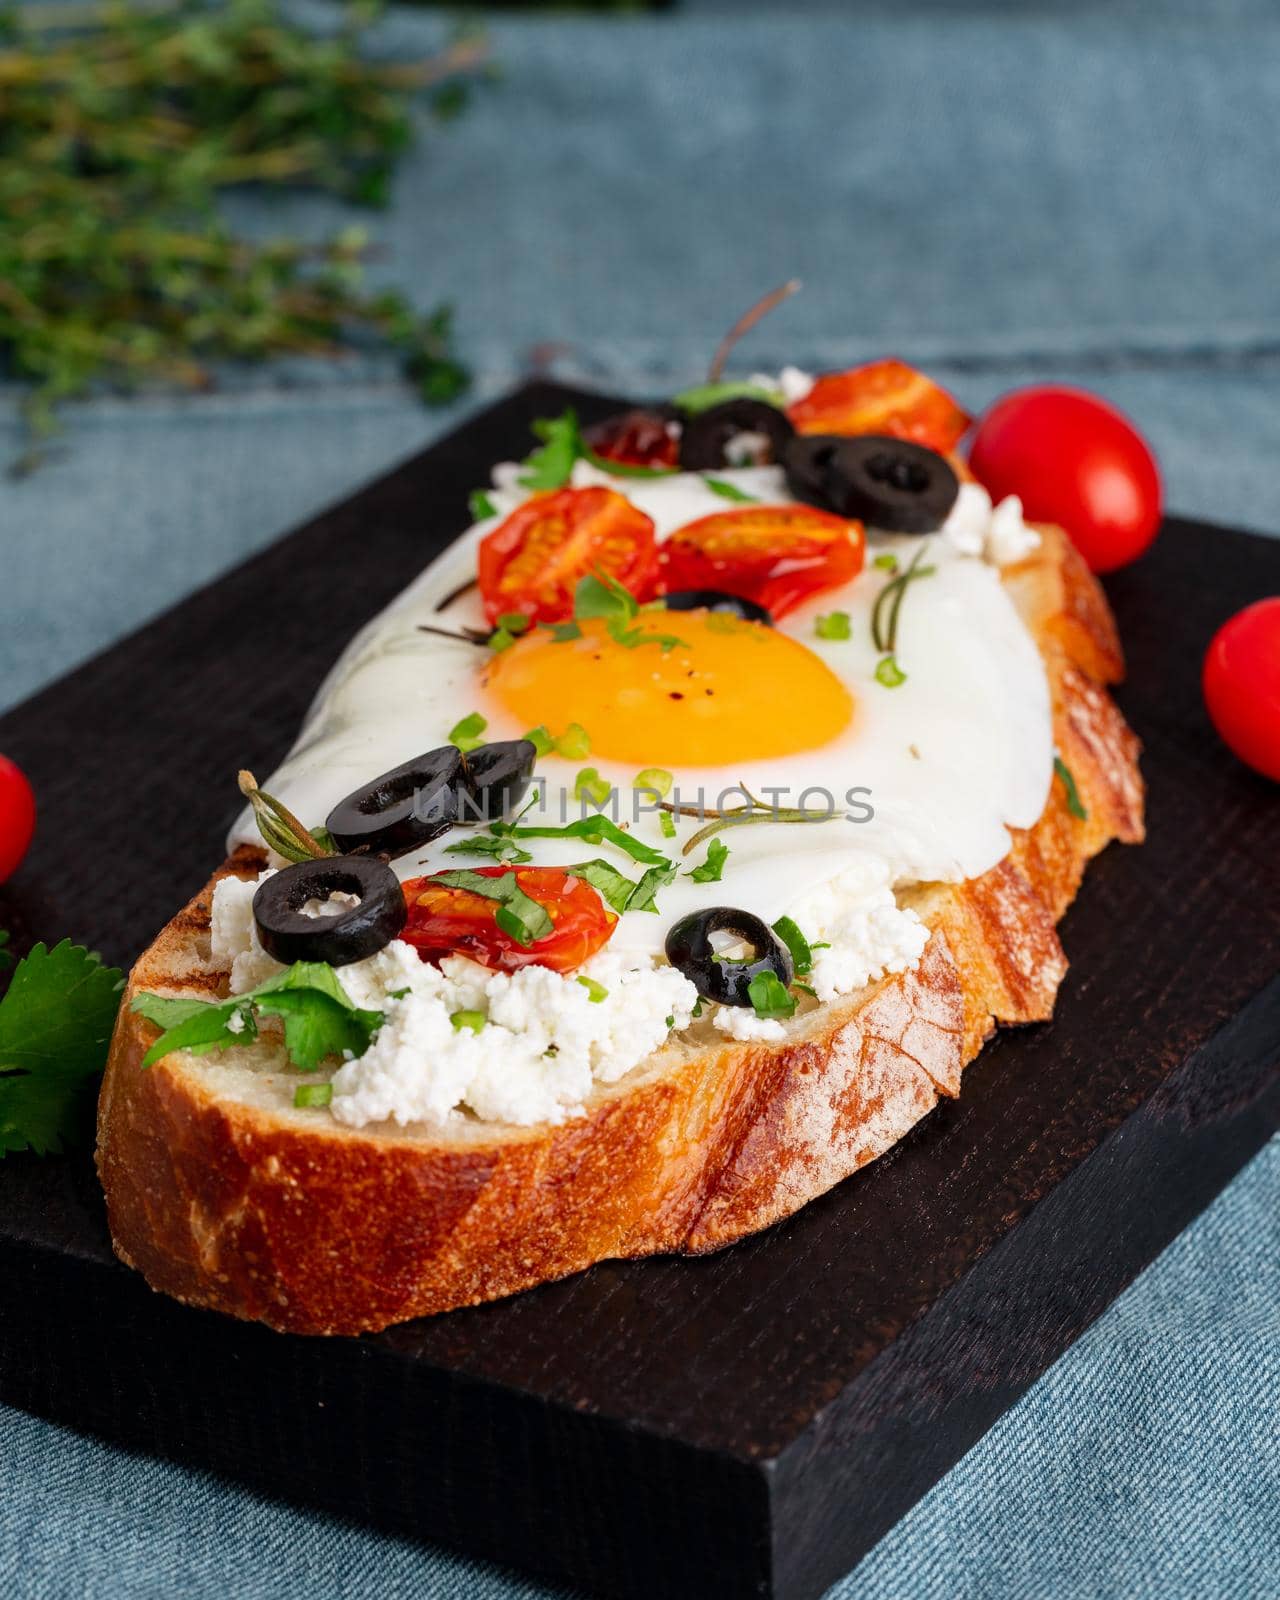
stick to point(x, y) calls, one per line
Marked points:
point(745, 1424)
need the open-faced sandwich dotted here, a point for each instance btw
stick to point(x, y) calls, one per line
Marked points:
point(655, 861)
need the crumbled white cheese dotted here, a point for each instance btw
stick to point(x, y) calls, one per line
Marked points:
point(999, 535)
point(741, 1022)
point(792, 382)
point(868, 933)
point(234, 934)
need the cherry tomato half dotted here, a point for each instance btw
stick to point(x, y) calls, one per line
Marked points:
point(636, 439)
point(774, 555)
point(532, 562)
point(444, 920)
point(881, 397)
point(1074, 460)
point(17, 817)
point(1242, 685)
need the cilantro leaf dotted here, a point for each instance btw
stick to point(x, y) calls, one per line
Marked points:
point(55, 1026)
point(712, 869)
point(318, 1016)
point(481, 506)
point(551, 466)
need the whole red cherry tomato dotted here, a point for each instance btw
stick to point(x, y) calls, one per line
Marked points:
point(447, 920)
point(532, 561)
point(1074, 460)
point(17, 817)
point(774, 555)
point(1242, 684)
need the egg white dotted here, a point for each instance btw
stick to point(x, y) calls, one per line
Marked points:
point(947, 762)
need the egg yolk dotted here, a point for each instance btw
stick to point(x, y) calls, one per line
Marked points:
point(730, 690)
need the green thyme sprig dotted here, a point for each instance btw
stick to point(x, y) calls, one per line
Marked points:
point(116, 140)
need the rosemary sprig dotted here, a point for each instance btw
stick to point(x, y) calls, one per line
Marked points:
point(754, 814)
point(280, 828)
point(888, 604)
point(115, 142)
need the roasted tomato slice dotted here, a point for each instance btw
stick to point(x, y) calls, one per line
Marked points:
point(637, 439)
point(882, 397)
point(445, 920)
point(774, 555)
point(532, 562)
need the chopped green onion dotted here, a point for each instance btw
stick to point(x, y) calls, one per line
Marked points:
point(312, 1094)
point(887, 562)
point(835, 625)
point(800, 948)
point(541, 740)
point(712, 869)
point(589, 785)
point(668, 824)
point(469, 733)
point(656, 779)
point(574, 742)
point(475, 1020)
point(595, 991)
point(889, 673)
point(769, 997)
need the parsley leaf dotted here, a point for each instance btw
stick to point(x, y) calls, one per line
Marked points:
point(712, 869)
point(769, 997)
point(800, 948)
point(318, 1016)
point(482, 844)
point(551, 466)
point(613, 887)
point(603, 597)
point(55, 1026)
point(595, 830)
point(655, 878)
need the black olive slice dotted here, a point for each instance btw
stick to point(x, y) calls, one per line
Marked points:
point(807, 460)
point(706, 440)
point(497, 776)
point(403, 808)
point(338, 937)
point(891, 483)
point(690, 950)
point(717, 600)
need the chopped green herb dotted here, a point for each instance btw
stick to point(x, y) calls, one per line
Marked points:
point(835, 625)
point(730, 491)
point(697, 1007)
point(318, 1016)
point(595, 830)
point(469, 733)
point(563, 632)
point(671, 1020)
point(312, 1094)
point(501, 639)
point(473, 1020)
point(603, 597)
point(704, 395)
point(589, 785)
point(800, 948)
point(541, 740)
point(1074, 803)
point(595, 991)
point(514, 622)
point(654, 780)
point(574, 742)
point(517, 914)
point(668, 824)
point(613, 887)
point(481, 506)
point(550, 466)
point(712, 869)
point(806, 988)
point(889, 673)
point(483, 844)
point(643, 897)
point(886, 561)
point(55, 1025)
point(769, 997)
point(399, 994)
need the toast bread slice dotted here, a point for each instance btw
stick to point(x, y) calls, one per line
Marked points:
point(225, 1196)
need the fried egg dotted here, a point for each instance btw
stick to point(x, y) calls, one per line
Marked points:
point(920, 780)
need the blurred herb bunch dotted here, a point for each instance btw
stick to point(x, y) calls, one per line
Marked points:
point(115, 140)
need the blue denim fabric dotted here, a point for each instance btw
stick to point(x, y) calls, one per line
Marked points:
point(1004, 193)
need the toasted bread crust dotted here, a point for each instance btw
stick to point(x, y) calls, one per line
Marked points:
point(313, 1228)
